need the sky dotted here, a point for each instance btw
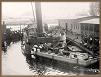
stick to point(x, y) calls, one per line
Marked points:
point(50, 10)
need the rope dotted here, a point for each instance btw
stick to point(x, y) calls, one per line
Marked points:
point(33, 11)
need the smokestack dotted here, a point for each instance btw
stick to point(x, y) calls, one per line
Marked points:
point(38, 17)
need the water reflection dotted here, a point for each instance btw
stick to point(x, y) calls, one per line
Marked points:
point(45, 66)
point(14, 58)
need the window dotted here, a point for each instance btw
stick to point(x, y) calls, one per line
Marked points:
point(86, 26)
point(78, 26)
point(96, 28)
point(71, 26)
point(91, 27)
point(82, 27)
point(74, 26)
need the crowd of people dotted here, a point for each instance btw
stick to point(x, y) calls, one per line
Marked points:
point(10, 37)
point(92, 43)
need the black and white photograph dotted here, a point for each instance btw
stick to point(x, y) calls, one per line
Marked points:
point(50, 38)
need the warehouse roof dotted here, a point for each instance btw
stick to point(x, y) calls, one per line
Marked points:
point(92, 21)
point(79, 19)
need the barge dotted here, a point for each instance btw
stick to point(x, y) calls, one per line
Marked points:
point(73, 57)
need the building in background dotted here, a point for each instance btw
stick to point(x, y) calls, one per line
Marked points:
point(74, 29)
point(3, 27)
point(90, 27)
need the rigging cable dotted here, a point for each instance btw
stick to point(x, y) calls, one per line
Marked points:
point(33, 11)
